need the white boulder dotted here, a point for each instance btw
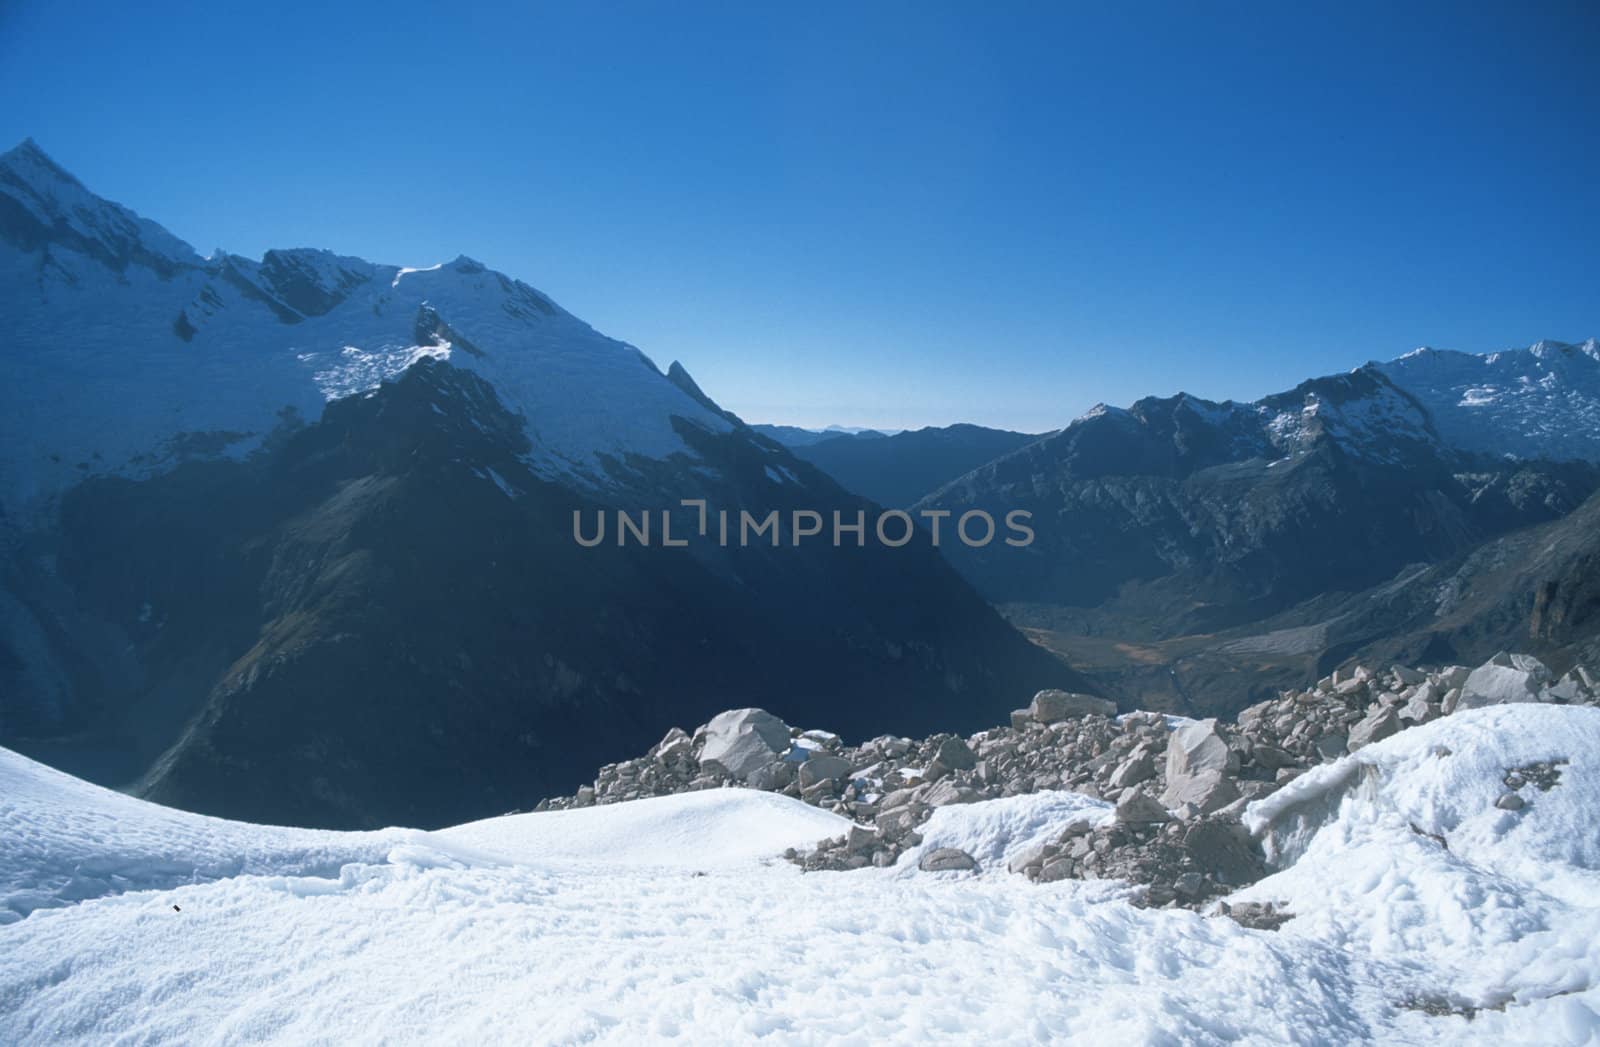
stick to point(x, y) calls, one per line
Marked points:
point(743, 740)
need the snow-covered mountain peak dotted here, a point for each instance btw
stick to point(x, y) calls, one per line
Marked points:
point(1100, 410)
point(1538, 402)
point(42, 204)
point(1553, 350)
point(1362, 411)
point(129, 345)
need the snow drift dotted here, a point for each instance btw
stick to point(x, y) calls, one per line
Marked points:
point(1412, 852)
point(1426, 909)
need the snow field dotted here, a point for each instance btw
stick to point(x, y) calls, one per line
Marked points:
point(673, 919)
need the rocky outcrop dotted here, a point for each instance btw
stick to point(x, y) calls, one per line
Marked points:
point(1178, 787)
point(1053, 706)
point(1505, 678)
point(741, 741)
point(947, 859)
point(1200, 769)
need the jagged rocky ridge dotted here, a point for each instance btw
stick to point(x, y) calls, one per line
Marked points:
point(1170, 530)
point(1180, 515)
point(1175, 788)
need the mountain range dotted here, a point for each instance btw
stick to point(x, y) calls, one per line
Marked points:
point(293, 540)
point(1176, 532)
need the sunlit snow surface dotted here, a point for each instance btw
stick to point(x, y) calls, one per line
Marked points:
point(129, 353)
point(1543, 401)
point(674, 919)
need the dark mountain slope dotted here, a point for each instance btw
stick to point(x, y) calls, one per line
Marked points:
point(1536, 589)
point(382, 616)
point(1180, 516)
point(1195, 555)
point(386, 619)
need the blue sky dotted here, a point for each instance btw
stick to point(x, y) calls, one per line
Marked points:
point(883, 214)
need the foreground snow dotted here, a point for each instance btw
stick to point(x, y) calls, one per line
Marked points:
point(672, 917)
point(1417, 867)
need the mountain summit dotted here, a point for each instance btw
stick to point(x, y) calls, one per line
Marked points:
point(1538, 402)
point(137, 353)
point(292, 538)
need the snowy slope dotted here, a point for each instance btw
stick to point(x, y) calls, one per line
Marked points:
point(669, 919)
point(1407, 859)
point(716, 828)
point(1363, 414)
point(1543, 401)
point(63, 840)
point(126, 351)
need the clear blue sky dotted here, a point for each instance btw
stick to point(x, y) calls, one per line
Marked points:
point(883, 214)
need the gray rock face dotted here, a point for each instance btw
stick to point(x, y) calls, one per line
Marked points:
point(1140, 807)
point(1032, 858)
point(1258, 916)
point(1451, 699)
point(1407, 676)
point(953, 755)
point(1135, 769)
point(1198, 747)
point(1423, 705)
point(771, 777)
point(1375, 727)
point(862, 840)
point(947, 792)
point(1504, 678)
point(821, 768)
point(1271, 757)
point(1331, 746)
point(742, 740)
point(1224, 850)
point(1183, 863)
point(676, 744)
point(1204, 793)
point(1054, 706)
point(947, 859)
point(1204, 773)
point(1569, 689)
point(1199, 762)
point(897, 822)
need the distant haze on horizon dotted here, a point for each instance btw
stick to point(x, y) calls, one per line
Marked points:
point(892, 216)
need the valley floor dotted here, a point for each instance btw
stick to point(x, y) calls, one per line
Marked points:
point(674, 918)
